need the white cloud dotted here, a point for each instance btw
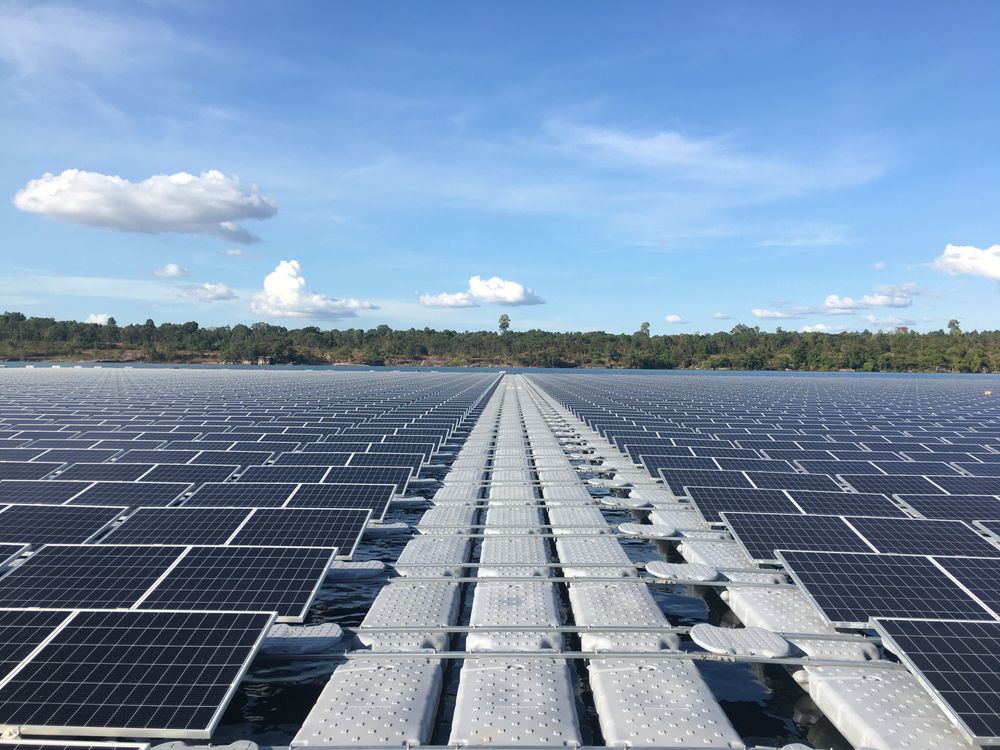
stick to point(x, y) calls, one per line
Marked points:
point(209, 203)
point(821, 328)
point(502, 292)
point(898, 295)
point(759, 312)
point(285, 296)
point(878, 265)
point(970, 261)
point(674, 319)
point(458, 299)
point(722, 316)
point(100, 319)
point(172, 271)
point(493, 290)
point(208, 292)
point(234, 252)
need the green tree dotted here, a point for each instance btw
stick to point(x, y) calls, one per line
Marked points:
point(953, 328)
point(504, 323)
point(644, 329)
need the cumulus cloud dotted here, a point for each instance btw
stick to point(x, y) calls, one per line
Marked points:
point(285, 296)
point(970, 261)
point(208, 292)
point(172, 271)
point(878, 265)
point(502, 292)
point(899, 295)
point(210, 203)
point(458, 299)
point(887, 321)
point(100, 319)
point(759, 312)
point(821, 328)
point(722, 316)
point(493, 290)
point(674, 319)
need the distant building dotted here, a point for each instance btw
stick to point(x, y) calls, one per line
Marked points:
point(902, 329)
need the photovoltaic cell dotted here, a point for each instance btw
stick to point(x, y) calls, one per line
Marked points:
point(39, 490)
point(20, 633)
point(305, 527)
point(981, 575)
point(398, 476)
point(846, 504)
point(178, 526)
point(249, 494)
point(890, 485)
point(967, 485)
point(118, 472)
point(920, 537)
point(960, 507)
point(284, 474)
point(195, 474)
point(26, 469)
point(132, 494)
point(677, 479)
point(782, 481)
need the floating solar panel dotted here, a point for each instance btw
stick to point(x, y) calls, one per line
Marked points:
point(762, 534)
point(915, 468)
point(966, 485)
point(305, 527)
point(26, 469)
point(132, 494)
point(10, 551)
point(54, 524)
point(283, 580)
point(178, 526)
point(143, 674)
point(398, 476)
point(157, 457)
point(313, 458)
point(74, 576)
point(831, 466)
point(677, 479)
point(654, 463)
point(195, 474)
point(39, 490)
point(284, 474)
point(375, 497)
point(711, 501)
point(922, 537)
point(75, 455)
point(850, 589)
point(243, 458)
point(116, 472)
point(846, 504)
point(958, 507)
point(958, 663)
point(754, 464)
point(891, 485)
point(413, 460)
point(21, 633)
point(247, 494)
point(20, 454)
point(781, 481)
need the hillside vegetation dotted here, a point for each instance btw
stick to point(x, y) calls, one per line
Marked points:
point(742, 348)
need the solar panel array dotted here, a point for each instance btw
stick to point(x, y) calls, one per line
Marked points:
point(880, 497)
point(149, 535)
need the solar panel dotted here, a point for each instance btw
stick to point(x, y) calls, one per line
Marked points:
point(654, 463)
point(754, 464)
point(890, 485)
point(53, 524)
point(9, 551)
point(243, 458)
point(19, 454)
point(192, 473)
point(26, 469)
point(166, 674)
point(285, 474)
point(781, 481)
point(413, 460)
point(762, 534)
point(39, 490)
point(313, 458)
point(375, 497)
point(157, 456)
point(305, 527)
point(249, 494)
point(922, 537)
point(73, 576)
point(915, 468)
point(398, 476)
point(132, 494)
point(677, 479)
point(283, 580)
point(846, 503)
point(117, 472)
point(72, 455)
point(851, 588)
point(958, 663)
point(966, 485)
point(21, 632)
point(711, 501)
point(178, 526)
point(960, 507)
point(840, 467)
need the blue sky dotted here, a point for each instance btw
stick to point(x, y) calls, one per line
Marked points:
point(578, 165)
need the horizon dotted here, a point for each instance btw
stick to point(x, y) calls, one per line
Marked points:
point(577, 167)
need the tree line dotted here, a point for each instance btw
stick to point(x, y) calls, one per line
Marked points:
point(742, 348)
